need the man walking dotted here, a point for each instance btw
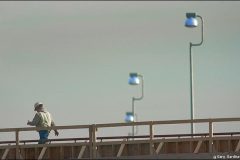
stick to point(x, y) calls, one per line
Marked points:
point(42, 119)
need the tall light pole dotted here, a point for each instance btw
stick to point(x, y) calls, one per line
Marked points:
point(192, 22)
point(134, 80)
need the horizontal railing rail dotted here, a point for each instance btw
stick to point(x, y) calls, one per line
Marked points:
point(126, 137)
point(122, 124)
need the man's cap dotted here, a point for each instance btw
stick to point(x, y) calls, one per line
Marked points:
point(37, 105)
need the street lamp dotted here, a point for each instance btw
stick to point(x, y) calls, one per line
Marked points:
point(134, 79)
point(129, 117)
point(192, 22)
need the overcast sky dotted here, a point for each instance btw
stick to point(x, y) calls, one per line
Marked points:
point(75, 57)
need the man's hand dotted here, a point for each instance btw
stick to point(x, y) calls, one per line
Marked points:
point(56, 132)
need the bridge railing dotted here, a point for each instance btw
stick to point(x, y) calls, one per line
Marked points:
point(92, 130)
point(151, 125)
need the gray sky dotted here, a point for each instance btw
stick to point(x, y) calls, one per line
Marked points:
point(75, 57)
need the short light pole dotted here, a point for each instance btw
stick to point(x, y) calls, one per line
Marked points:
point(192, 22)
point(134, 79)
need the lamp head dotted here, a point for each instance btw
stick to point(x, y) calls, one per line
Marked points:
point(129, 117)
point(191, 20)
point(133, 79)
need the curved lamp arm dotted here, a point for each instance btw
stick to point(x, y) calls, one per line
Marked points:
point(198, 44)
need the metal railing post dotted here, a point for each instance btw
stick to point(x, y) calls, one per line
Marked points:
point(17, 143)
point(92, 141)
point(210, 136)
point(94, 138)
point(151, 129)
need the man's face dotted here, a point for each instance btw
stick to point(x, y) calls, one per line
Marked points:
point(37, 109)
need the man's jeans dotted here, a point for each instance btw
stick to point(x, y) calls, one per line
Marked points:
point(43, 134)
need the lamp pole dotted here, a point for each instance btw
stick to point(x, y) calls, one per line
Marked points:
point(191, 22)
point(134, 80)
point(136, 99)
